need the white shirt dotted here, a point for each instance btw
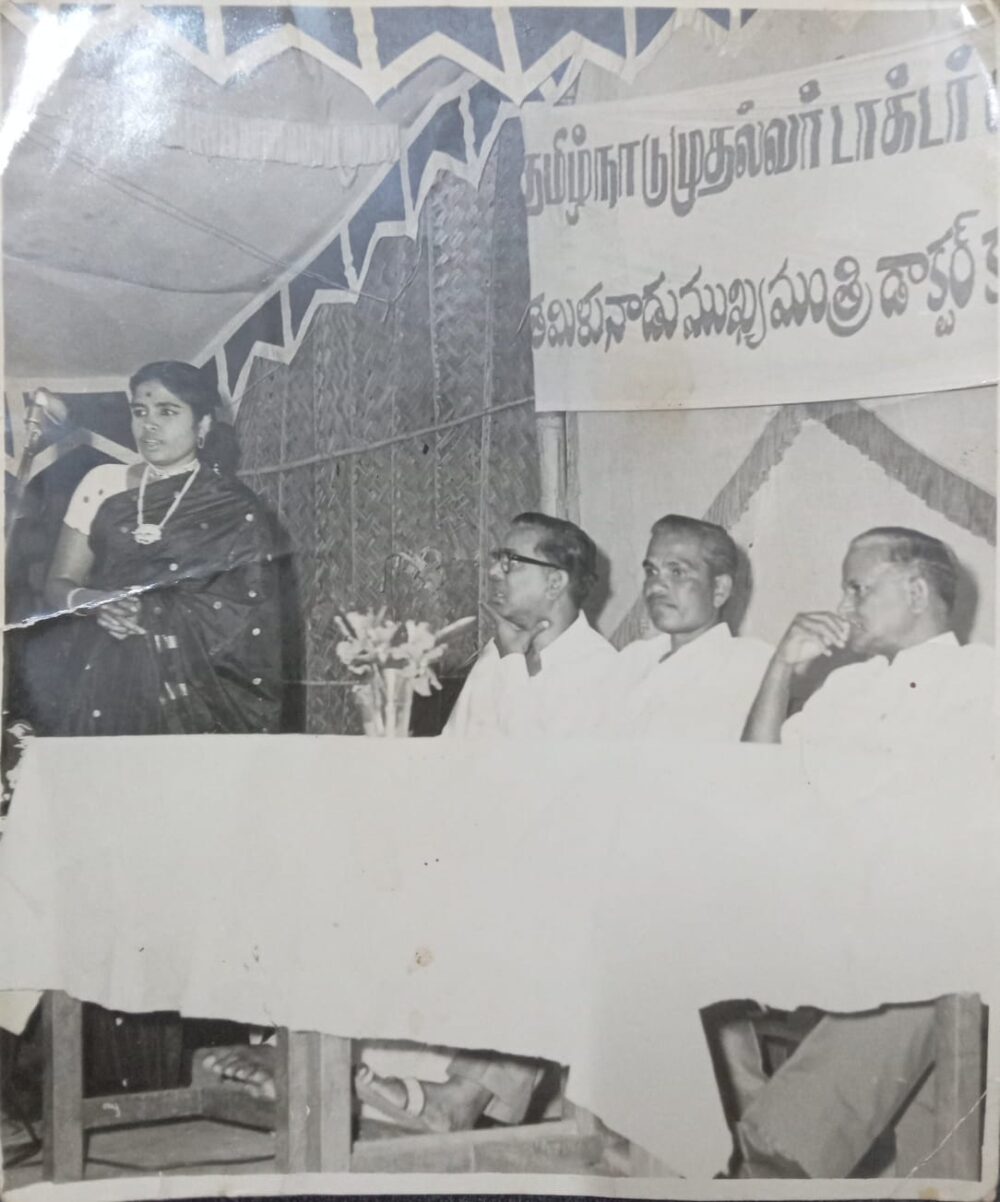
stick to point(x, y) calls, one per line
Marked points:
point(500, 698)
point(937, 694)
point(702, 692)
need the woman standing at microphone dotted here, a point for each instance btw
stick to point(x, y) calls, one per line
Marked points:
point(169, 565)
point(169, 568)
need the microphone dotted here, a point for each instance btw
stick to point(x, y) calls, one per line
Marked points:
point(43, 408)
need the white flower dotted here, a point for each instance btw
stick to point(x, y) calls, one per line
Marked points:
point(373, 644)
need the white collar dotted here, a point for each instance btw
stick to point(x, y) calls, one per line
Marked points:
point(947, 638)
point(562, 646)
point(720, 632)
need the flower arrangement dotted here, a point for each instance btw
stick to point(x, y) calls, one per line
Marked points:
point(394, 660)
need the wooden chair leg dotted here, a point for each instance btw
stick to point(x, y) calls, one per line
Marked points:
point(331, 1134)
point(290, 1073)
point(313, 1085)
point(62, 1033)
point(958, 1085)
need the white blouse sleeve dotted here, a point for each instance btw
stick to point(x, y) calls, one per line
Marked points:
point(91, 493)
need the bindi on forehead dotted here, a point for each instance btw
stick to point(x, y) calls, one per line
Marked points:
point(162, 405)
point(155, 391)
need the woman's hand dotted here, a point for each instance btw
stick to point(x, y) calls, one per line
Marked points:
point(119, 615)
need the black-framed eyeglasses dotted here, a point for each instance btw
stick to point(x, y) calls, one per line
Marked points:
point(505, 557)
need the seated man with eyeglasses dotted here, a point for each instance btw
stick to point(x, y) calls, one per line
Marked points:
point(541, 674)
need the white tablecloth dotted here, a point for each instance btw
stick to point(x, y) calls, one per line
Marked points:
point(578, 902)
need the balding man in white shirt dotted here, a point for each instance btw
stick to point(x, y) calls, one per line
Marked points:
point(916, 686)
point(917, 690)
point(694, 681)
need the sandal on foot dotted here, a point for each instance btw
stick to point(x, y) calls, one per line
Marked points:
point(410, 1116)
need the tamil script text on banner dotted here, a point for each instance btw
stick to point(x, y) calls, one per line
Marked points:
point(821, 234)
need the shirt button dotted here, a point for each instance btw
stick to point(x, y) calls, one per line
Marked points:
point(86, 667)
point(249, 517)
point(203, 525)
point(256, 680)
point(255, 631)
point(158, 610)
point(173, 567)
point(96, 714)
point(252, 593)
point(216, 604)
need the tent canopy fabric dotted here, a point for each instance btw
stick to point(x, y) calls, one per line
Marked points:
point(189, 180)
point(192, 182)
point(136, 229)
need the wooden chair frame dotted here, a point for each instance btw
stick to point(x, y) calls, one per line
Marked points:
point(312, 1116)
point(954, 1079)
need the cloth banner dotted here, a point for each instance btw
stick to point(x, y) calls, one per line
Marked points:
point(579, 902)
point(821, 234)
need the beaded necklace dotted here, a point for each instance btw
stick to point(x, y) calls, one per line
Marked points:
point(149, 532)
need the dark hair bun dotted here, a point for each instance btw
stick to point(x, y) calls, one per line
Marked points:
point(221, 451)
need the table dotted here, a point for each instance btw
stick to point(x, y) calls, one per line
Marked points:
point(580, 907)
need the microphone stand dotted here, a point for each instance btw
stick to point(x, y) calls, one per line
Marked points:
point(44, 409)
point(38, 410)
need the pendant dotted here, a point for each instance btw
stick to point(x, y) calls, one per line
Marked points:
point(147, 533)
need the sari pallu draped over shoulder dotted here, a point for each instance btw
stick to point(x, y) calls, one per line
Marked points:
point(210, 657)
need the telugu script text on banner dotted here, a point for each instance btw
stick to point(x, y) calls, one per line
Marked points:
point(826, 233)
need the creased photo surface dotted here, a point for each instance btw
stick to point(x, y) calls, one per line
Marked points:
point(555, 447)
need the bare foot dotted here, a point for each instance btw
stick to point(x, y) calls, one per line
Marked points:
point(453, 1105)
point(252, 1067)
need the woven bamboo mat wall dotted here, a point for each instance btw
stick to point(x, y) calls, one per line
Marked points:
point(416, 401)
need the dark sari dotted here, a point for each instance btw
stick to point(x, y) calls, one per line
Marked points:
point(210, 660)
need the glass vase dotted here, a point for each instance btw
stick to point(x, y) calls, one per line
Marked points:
point(385, 702)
